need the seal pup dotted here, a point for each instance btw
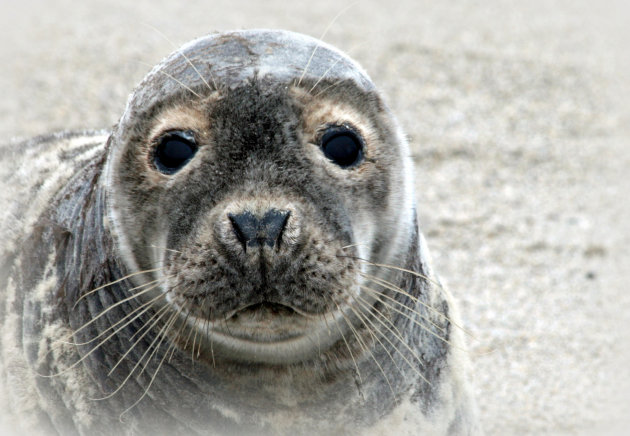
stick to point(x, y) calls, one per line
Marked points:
point(239, 255)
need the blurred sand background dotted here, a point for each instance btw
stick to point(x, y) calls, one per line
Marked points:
point(518, 115)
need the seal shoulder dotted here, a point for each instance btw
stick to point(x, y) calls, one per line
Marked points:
point(33, 171)
point(25, 160)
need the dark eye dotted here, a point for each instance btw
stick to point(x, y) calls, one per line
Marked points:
point(342, 145)
point(173, 151)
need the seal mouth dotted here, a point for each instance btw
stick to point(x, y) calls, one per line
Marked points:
point(263, 310)
point(268, 332)
point(265, 322)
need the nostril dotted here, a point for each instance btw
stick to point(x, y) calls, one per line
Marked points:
point(252, 231)
point(244, 226)
point(274, 223)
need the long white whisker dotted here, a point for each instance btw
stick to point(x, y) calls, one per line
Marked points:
point(400, 339)
point(321, 38)
point(138, 311)
point(96, 347)
point(194, 339)
point(402, 305)
point(117, 281)
point(118, 303)
point(162, 335)
point(364, 318)
point(177, 336)
point(151, 345)
point(328, 87)
point(366, 348)
point(392, 287)
point(152, 322)
point(416, 322)
point(324, 75)
point(166, 249)
point(356, 366)
point(170, 76)
point(172, 345)
point(185, 57)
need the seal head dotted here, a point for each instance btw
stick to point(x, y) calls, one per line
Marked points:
point(291, 168)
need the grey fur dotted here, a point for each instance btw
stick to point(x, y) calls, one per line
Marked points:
point(255, 101)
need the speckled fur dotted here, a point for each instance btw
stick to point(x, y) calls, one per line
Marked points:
point(94, 209)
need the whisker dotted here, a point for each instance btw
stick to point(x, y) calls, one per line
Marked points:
point(365, 317)
point(146, 391)
point(321, 38)
point(227, 327)
point(185, 57)
point(208, 318)
point(118, 281)
point(152, 286)
point(332, 66)
point(192, 328)
point(151, 322)
point(192, 356)
point(399, 338)
point(161, 335)
point(398, 268)
point(327, 325)
point(96, 347)
point(366, 348)
point(212, 344)
point(200, 337)
point(118, 303)
point(409, 317)
point(319, 341)
point(411, 309)
point(124, 382)
point(146, 325)
point(206, 321)
point(354, 331)
point(177, 336)
point(329, 86)
point(166, 248)
point(142, 308)
point(172, 78)
point(396, 332)
point(352, 245)
point(384, 283)
point(356, 366)
point(324, 75)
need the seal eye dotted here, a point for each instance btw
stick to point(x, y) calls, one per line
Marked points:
point(342, 145)
point(173, 151)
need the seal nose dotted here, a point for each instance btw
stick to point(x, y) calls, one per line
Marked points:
point(253, 231)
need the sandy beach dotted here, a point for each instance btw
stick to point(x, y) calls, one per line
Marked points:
point(518, 119)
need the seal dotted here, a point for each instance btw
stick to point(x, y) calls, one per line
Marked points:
point(240, 254)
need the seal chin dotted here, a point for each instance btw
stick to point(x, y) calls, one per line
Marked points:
point(270, 333)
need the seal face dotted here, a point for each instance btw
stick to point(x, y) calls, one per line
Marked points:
point(245, 246)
